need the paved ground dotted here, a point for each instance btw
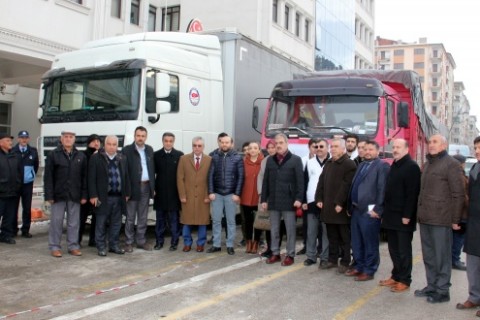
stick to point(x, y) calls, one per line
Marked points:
point(177, 285)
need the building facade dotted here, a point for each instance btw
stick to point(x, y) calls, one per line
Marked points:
point(364, 34)
point(434, 65)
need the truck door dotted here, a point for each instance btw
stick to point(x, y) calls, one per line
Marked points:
point(390, 128)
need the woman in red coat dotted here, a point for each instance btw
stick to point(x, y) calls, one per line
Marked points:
point(249, 197)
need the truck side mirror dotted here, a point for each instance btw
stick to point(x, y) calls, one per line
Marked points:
point(162, 85)
point(255, 117)
point(162, 107)
point(402, 115)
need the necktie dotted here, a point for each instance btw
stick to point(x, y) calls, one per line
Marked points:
point(197, 163)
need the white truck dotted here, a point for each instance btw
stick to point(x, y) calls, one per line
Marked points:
point(187, 84)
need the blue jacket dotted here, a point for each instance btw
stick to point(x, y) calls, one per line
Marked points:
point(29, 162)
point(371, 189)
point(226, 173)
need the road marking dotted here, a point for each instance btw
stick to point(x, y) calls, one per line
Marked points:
point(351, 309)
point(154, 292)
point(229, 294)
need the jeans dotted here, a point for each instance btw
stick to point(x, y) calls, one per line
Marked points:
point(161, 225)
point(457, 245)
point(218, 205)
point(201, 237)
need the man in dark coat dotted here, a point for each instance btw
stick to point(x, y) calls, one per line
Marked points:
point(366, 207)
point(109, 189)
point(400, 215)
point(331, 196)
point(282, 193)
point(141, 171)
point(166, 201)
point(440, 204)
point(30, 161)
point(11, 175)
point(93, 145)
point(65, 185)
point(472, 236)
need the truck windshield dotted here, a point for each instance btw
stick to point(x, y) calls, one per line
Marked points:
point(324, 115)
point(92, 96)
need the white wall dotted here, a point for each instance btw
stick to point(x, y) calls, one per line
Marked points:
point(24, 113)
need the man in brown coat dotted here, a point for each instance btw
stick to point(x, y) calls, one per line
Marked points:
point(192, 184)
point(440, 204)
point(331, 197)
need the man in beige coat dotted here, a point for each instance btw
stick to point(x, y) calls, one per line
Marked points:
point(192, 184)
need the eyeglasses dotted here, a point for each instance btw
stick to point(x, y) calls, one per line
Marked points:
point(197, 145)
point(318, 147)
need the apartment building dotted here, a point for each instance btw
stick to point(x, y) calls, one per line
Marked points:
point(459, 131)
point(32, 32)
point(364, 34)
point(434, 65)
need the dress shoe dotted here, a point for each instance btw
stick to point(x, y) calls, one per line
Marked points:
point(144, 246)
point(210, 241)
point(274, 258)
point(399, 287)
point(459, 266)
point(423, 292)
point(27, 235)
point(266, 254)
point(302, 251)
point(116, 250)
point(288, 261)
point(467, 305)
point(173, 247)
point(158, 246)
point(128, 248)
point(438, 297)
point(387, 283)
point(327, 265)
point(214, 249)
point(230, 251)
point(243, 243)
point(323, 264)
point(352, 273)
point(308, 262)
point(200, 248)
point(56, 253)
point(187, 248)
point(8, 240)
point(75, 252)
point(102, 253)
point(342, 269)
point(363, 277)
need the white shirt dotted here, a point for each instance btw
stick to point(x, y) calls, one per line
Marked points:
point(314, 170)
point(143, 162)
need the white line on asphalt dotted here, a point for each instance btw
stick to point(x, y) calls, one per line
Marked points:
point(151, 293)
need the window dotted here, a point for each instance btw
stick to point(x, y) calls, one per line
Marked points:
point(171, 19)
point(5, 117)
point(435, 67)
point(116, 9)
point(434, 96)
point(287, 15)
point(398, 66)
point(307, 30)
point(398, 52)
point(385, 55)
point(435, 53)
point(434, 110)
point(434, 82)
point(77, 1)
point(152, 17)
point(419, 51)
point(419, 65)
point(150, 99)
point(390, 115)
point(422, 79)
point(297, 24)
point(135, 12)
point(275, 11)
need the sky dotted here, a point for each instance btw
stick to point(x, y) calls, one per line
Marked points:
point(455, 23)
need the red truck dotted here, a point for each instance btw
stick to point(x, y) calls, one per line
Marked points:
point(374, 104)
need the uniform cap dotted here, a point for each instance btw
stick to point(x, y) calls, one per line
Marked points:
point(23, 134)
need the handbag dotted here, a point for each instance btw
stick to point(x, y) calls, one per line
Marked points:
point(262, 220)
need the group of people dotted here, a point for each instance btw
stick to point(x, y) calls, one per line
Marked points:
point(342, 188)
